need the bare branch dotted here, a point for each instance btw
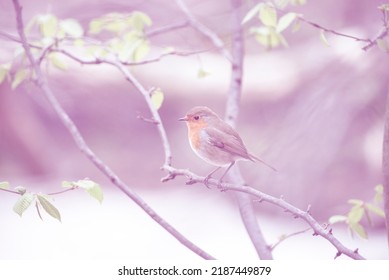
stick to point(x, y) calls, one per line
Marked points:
point(385, 166)
point(217, 42)
point(279, 202)
point(165, 29)
point(318, 26)
point(287, 236)
point(84, 148)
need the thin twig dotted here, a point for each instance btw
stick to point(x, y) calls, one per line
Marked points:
point(167, 28)
point(204, 30)
point(84, 148)
point(318, 26)
point(279, 202)
point(285, 237)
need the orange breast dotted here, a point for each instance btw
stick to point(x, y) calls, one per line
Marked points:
point(194, 129)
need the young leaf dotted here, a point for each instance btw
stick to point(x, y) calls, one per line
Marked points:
point(268, 15)
point(48, 25)
point(337, 219)
point(252, 13)
point(21, 190)
point(141, 50)
point(323, 38)
point(4, 68)
point(4, 185)
point(379, 193)
point(19, 77)
point(382, 45)
point(357, 227)
point(71, 27)
point(92, 188)
point(157, 97)
point(23, 203)
point(202, 73)
point(375, 209)
point(285, 21)
point(355, 215)
point(297, 25)
point(356, 202)
point(95, 26)
point(49, 207)
point(57, 61)
point(139, 20)
point(67, 184)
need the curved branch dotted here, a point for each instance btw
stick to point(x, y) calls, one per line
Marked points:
point(204, 30)
point(385, 166)
point(84, 148)
point(323, 231)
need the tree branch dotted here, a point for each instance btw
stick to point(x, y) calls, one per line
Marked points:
point(279, 202)
point(84, 148)
point(204, 30)
point(385, 166)
point(245, 203)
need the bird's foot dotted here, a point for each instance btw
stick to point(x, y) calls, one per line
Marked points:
point(206, 181)
point(220, 186)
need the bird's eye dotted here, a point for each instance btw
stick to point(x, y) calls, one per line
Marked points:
point(196, 118)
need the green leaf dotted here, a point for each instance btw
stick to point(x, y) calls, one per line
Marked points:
point(4, 69)
point(56, 60)
point(268, 15)
point(299, 2)
point(23, 203)
point(71, 27)
point(49, 207)
point(379, 193)
point(139, 20)
point(252, 13)
point(359, 230)
point(323, 38)
point(141, 50)
point(383, 45)
point(92, 188)
point(375, 209)
point(285, 21)
point(202, 73)
point(157, 98)
point(48, 25)
point(95, 26)
point(297, 25)
point(356, 202)
point(355, 215)
point(21, 190)
point(268, 37)
point(19, 77)
point(4, 185)
point(67, 184)
point(337, 219)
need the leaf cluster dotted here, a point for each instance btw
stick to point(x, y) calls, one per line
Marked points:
point(44, 201)
point(358, 211)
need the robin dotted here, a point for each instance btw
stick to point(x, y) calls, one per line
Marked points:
point(215, 141)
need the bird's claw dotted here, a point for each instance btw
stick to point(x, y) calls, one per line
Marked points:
point(206, 181)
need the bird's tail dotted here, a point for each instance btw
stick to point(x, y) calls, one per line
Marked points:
point(254, 158)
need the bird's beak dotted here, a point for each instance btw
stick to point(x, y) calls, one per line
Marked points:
point(184, 119)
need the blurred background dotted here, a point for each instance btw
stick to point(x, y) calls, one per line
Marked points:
point(312, 111)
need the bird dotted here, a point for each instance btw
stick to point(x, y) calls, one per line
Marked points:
point(215, 141)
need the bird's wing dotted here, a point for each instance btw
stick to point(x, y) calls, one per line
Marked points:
point(231, 143)
point(228, 142)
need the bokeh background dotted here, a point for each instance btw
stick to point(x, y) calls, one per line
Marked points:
point(314, 112)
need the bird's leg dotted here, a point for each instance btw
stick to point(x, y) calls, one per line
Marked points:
point(209, 176)
point(224, 174)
